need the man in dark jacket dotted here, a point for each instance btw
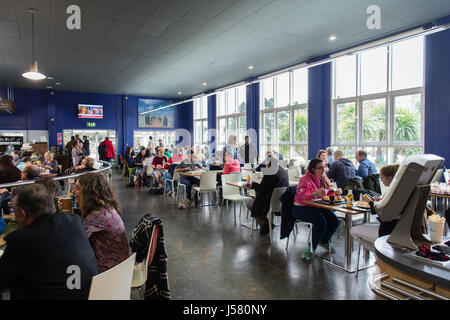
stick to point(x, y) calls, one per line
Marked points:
point(50, 257)
point(341, 170)
point(274, 176)
point(86, 147)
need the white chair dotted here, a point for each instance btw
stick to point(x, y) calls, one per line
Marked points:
point(232, 193)
point(366, 234)
point(437, 177)
point(176, 177)
point(284, 163)
point(275, 206)
point(307, 224)
point(294, 172)
point(341, 216)
point(208, 184)
point(115, 283)
point(247, 166)
point(292, 163)
point(140, 272)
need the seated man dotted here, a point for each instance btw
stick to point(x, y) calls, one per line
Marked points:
point(31, 172)
point(189, 164)
point(277, 177)
point(366, 167)
point(341, 170)
point(49, 259)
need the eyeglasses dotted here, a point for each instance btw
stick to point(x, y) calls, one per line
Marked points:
point(320, 168)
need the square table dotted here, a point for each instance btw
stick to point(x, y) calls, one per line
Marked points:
point(349, 212)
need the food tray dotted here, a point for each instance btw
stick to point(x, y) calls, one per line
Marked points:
point(442, 264)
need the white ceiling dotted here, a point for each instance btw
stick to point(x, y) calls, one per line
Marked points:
point(160, 47)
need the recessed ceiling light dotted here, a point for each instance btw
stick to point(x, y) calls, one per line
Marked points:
point(179, 92)
point(204, 83)
point(250, 67)
point(50, 78)
point(58, 83)
point(49, 87)
point(332, 38)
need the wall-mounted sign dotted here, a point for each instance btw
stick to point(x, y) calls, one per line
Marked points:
point(59, 138)
point(90, 124)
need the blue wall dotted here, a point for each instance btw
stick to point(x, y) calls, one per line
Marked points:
point(437, 95)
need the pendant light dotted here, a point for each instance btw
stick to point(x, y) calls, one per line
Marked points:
point(33, 74)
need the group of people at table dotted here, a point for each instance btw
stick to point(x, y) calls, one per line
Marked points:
point(42, 242)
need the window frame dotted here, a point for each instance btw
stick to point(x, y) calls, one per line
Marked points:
point(198, 105)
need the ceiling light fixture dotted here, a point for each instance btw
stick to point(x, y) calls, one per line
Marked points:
point(250, 67)
point(204, 83)
point(332, 38)
point(33, 74)
point(179, 92)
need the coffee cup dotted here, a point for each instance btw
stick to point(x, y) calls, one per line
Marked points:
point(436, 230)
point(67, 204)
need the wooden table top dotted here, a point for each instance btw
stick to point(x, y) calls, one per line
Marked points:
point(244, 185)
point(332, 207)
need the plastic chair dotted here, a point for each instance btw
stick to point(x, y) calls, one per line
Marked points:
point(275, 206)
point(232, 193)
point(284, 163)
point(366, 234)
point(294, 172)
point(176, 177)
point(292, 162)
point(208, 184)
point(115, 283)
point(140, 272)
point(310, 226)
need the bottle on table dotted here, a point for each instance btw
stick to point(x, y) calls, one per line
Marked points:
point(349, 199)
point(331, 195)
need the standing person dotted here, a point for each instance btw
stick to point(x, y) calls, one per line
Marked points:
point(77, 137)
point(86, 150)
point(330, 152)
point(77, 153)
point(102, 220)
point(312, 185)
point(151, 144)
point(70, 144)
point(232, 147)
point(248, 151)
point(106, 150)
point(366, 166)
point(36, 261)
point(160, 143)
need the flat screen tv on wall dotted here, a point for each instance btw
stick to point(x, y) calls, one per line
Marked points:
point(152, 114)
point(90, 111)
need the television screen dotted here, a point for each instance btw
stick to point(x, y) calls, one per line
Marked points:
point(152, 114)
point(90, 111)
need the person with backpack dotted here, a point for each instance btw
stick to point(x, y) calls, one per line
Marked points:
point(106, 150)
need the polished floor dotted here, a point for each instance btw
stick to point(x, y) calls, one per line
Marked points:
point(211, 258)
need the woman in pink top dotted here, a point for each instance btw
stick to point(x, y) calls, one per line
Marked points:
point(231, 164)
point(315, 184)
point(101, 213)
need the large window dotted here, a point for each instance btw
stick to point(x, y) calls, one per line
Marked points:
point(231, 115)
point(378, 102)
point(201, 121)
point(284, 114)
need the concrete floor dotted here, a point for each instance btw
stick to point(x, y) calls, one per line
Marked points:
point(211, 259)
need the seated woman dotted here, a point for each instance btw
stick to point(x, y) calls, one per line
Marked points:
point(231, 164)
point(323, 155)
point(130, 157)
point(49, 163)
point(140, 158)
point(147, 169)
point(177, 156)
point(275, 176)
point(199, 155)
point(102, 220)
point(159, 164)
point(387, 173)
point(315, 184)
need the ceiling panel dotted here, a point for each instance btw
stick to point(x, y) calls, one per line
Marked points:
point(160, 47)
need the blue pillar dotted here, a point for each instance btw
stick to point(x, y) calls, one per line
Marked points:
point(253, 111)
point(319, 108)
point(437, 95)
point(212, 123)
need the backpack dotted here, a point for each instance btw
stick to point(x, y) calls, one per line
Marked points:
point(156, 190)
point(102, 150)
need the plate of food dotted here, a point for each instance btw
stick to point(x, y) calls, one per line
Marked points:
point(362, 204)
point(336, 199)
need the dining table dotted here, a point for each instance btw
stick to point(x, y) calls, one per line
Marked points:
point(346, 265)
